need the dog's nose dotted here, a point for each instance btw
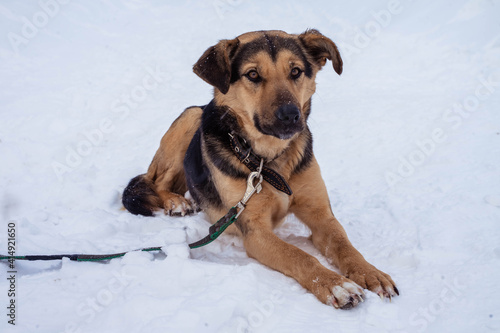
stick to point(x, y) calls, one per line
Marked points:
point(289, 114)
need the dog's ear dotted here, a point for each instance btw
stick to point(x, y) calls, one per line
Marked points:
point(214, 66)
point(321, 48)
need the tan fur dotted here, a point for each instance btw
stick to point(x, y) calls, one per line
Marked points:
point(166, 171)
point(267, 210)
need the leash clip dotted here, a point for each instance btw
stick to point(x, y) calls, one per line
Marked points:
point(251, 188)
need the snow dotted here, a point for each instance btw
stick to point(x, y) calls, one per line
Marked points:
point(408, 139)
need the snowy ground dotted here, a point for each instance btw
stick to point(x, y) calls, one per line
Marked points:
point(408, 139)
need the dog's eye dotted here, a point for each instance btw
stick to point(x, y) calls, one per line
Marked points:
point(295, 73)
point(253, 76)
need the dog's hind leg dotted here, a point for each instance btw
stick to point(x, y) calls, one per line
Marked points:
point(164, 185)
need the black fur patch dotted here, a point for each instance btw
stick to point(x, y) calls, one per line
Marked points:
point(198, 176)
point(137, 195)
point(307, 108)
point(307, 154)
point(217, 123)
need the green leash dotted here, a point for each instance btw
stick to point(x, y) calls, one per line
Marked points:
point(75, 257)
point(214, 231)
point(217, 228)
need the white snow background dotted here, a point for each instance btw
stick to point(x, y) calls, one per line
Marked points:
point(408, 139)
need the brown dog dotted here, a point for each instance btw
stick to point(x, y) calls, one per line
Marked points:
point(263, 82)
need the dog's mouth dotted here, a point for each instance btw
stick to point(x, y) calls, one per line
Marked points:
point(280, 129)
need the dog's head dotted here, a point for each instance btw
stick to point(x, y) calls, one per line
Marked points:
point(268, 77)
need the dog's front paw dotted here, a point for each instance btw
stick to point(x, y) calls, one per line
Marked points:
point(336, 290)
point(369, 277)
point(176, 205)
point(346, 296)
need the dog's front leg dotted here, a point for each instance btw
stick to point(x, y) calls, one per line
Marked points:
point(312, 206)
point(263, 245)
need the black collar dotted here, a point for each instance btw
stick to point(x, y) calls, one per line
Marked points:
point(252, 161)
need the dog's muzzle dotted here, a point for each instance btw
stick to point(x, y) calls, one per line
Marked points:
point(286, 123)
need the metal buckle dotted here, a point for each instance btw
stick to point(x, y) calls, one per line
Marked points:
point(251, 188)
